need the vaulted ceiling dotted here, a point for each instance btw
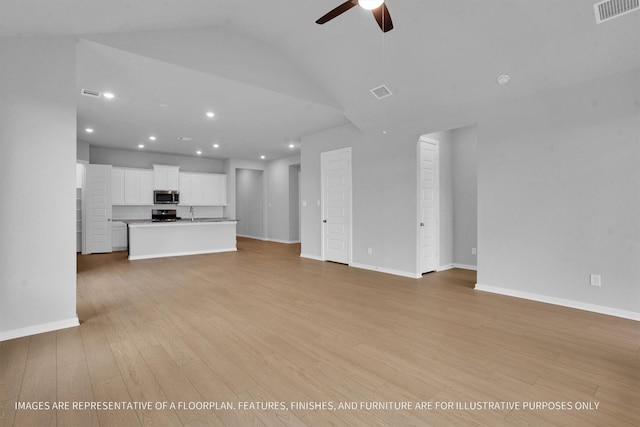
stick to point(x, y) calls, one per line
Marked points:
point(272, 75)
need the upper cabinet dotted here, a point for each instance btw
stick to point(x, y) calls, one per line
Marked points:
point(117, 186)
point(166, 177)
point(203, 189)
point(131, 186)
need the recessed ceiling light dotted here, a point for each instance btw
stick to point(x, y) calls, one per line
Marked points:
point(140, 145)
point(263, 157)
point(88, 130)
point(292, 146)
point(216, 145)
point(108, 95)
point(210, 114)
point(198, 152)
point(153, 138)
point(503, 79)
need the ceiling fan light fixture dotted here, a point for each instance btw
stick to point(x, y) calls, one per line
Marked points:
point(370, 4)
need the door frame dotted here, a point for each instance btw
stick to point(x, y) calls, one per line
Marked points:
point(428, 140)
point(323, 203)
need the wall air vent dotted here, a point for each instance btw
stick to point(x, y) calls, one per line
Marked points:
point(609, 9)
point(381, 92)
point(90, 93)
point(184, 138)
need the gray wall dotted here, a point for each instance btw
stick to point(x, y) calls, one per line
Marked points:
point(83, 151)
point(146, 160)
point(250, 203)
point(37, 154)
point(558, 194)
point(278, 213)
point(384, 214)
point(465, 195)
point(276, 193)
point(294, 203)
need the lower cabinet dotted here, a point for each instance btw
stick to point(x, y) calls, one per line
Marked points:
point(118, 236)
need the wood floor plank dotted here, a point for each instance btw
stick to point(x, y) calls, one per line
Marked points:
point(114, 390)
point(39, 384)
point(174, 385)
point(74, 385)
point(142, 384)
point(100, 360)
point(264, 325)
point(13, 354)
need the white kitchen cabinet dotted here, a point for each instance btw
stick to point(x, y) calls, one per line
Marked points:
point(166, 177)
point(118, 235)
point(219, 190)
point(134, 186)
point(117, 186)
point(203, 189)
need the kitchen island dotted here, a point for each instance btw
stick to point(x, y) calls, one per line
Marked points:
point(149, 239)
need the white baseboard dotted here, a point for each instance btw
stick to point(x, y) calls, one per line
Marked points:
point(39, 329)
point(465, 266)
point(266, 239)
point(561, 301)
point(313, 257)
point(411, 275)
point(286, 242)
point(246, 236)
point(137, 257)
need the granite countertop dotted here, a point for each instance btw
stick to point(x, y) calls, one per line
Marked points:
point(180, 221)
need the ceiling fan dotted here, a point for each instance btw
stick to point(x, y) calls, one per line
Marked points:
point(377, 7)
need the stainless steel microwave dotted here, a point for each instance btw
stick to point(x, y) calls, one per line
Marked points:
point(166, 197)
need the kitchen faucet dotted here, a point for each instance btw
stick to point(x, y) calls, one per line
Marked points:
point(191, 212)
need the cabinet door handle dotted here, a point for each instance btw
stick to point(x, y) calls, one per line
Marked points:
point(324, 220)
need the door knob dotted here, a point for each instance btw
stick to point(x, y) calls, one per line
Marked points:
point(324, 220)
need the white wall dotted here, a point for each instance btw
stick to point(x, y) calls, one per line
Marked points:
point(559, 195)
point(38, 168)
point(465, 195)
point(146, 160)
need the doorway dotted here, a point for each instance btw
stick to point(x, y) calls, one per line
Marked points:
point(336, 205)
point(250, 203)
point(428, 204)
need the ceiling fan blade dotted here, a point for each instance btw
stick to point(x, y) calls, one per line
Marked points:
point(384, 19)
point(337, 11)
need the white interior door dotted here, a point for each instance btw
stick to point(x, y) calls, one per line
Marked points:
point(98, 208)
point(428, 205)
point(336, 205)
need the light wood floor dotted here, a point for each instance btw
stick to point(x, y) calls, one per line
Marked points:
point(263, 325)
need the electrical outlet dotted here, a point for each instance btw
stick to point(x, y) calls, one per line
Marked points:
point(370, 251)
point(474, 251)
point(596, 280)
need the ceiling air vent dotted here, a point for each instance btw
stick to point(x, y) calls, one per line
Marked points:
point(184, 138)
point(381, 92)
point(90, 93)
point(606, 10)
